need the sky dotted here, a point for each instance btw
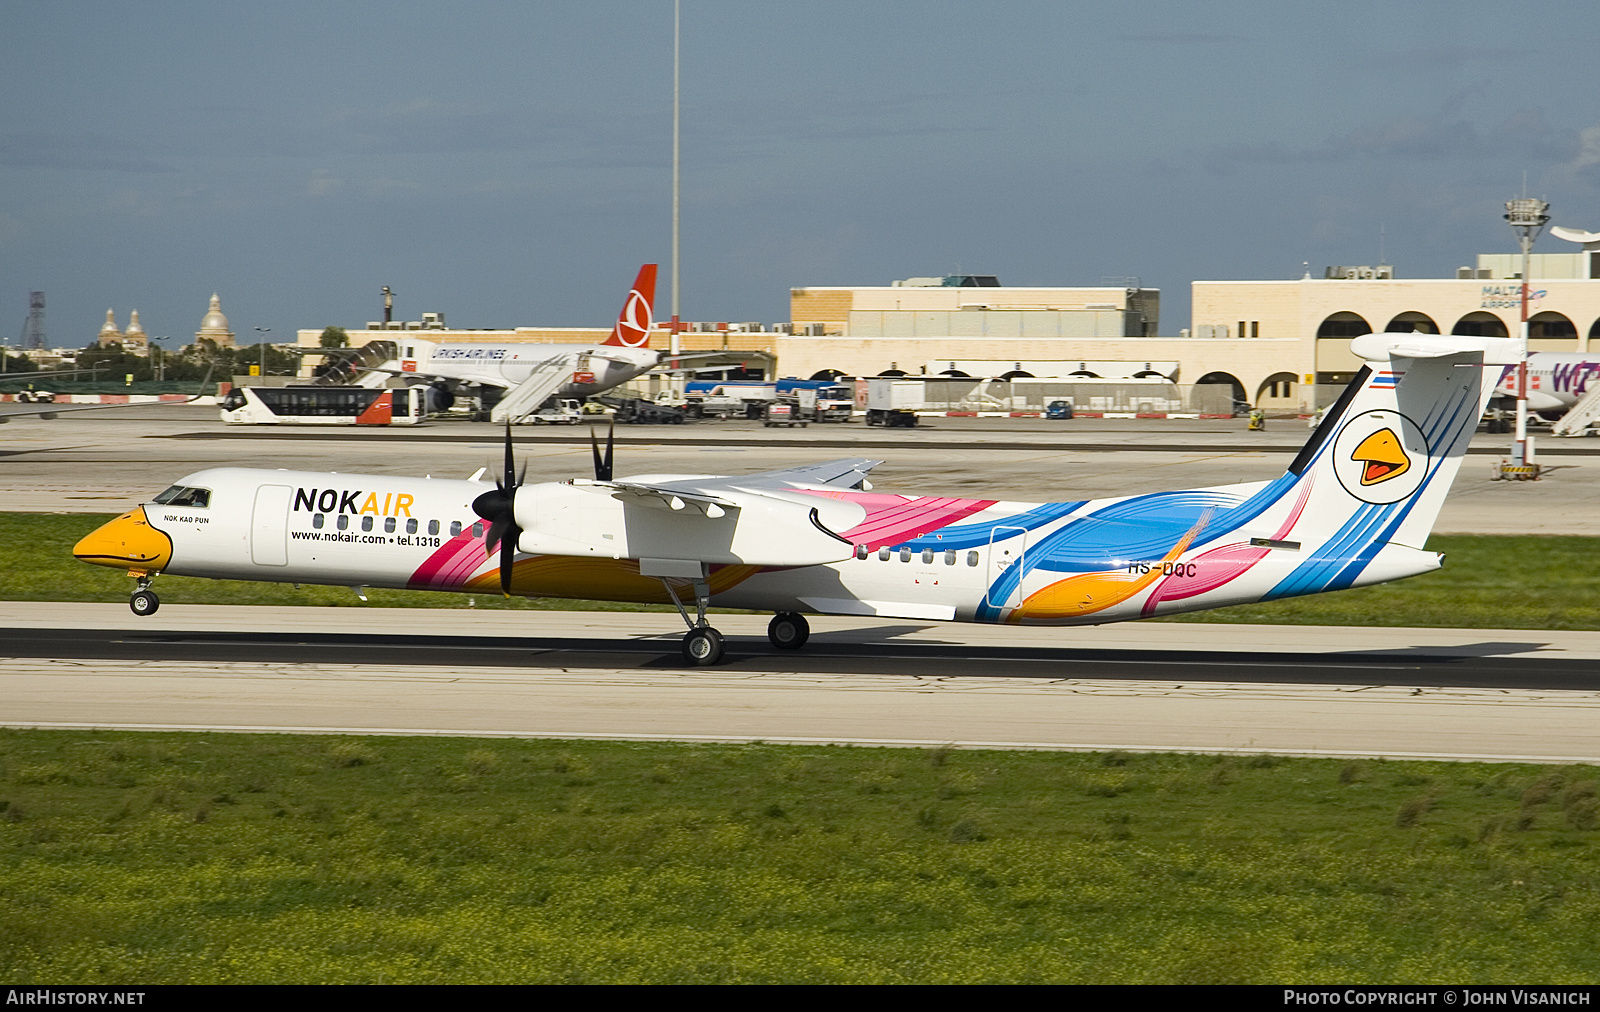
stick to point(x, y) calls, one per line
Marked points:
point(509, 164)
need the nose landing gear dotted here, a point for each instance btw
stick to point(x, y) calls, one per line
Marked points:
point(144, 601)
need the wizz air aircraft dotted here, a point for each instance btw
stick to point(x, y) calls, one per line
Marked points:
point(1557, 380)
point(1354, 508)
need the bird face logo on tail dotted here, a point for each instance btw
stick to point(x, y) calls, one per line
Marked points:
point(1380, 456)
point(634, 322)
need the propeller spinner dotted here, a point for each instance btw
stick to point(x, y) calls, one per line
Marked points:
point(498, 507)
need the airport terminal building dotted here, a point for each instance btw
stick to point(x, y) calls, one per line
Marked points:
point(1281, 345)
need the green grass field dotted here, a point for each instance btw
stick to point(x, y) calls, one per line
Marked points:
point(156, 858)
point(1526, 582)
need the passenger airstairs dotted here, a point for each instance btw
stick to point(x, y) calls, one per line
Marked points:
point(522, 400)
point(1583, 414)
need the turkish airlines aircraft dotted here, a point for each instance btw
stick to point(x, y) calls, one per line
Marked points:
point(599, 367)
point(1354, 508)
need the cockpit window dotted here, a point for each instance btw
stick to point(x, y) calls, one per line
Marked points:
point(179, 495)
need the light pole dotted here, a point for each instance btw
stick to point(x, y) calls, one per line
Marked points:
point(264, 332)
point(1527, 217)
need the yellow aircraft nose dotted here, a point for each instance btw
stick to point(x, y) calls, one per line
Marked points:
point(128, 542)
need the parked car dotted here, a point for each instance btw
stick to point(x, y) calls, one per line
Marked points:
point(1058, 409)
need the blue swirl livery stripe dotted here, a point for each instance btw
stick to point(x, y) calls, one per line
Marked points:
point(961, 536)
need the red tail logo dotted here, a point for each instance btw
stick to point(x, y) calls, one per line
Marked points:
point(635, 320)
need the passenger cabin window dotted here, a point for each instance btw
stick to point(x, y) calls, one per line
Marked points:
point(927, 556)
point(388, 525)
point(861, 551)
point(477, 529)
point(883, 554)
point(316, 520)
point(950, 558)
point(905, 555)
point(972, 558)
point(411, 526)
point(455, 528)
point(433, 527)
point(178, 495)
point(344, 521)
point(366, 523)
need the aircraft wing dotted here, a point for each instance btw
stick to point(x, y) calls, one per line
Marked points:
point(842, 474)
point(772, 518)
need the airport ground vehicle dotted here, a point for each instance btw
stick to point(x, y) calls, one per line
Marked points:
point(314, 405)
point(32, 396)
point(1354, 507)
point(1058, 409)
point(893, 402)
point(638, 411)
point(799, 409)
point(562, 411)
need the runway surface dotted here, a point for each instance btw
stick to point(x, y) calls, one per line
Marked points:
point(1463, 694)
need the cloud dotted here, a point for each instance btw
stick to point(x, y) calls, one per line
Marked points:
point(1441, 136)
point(1583, 167)
point(91, 151)
point(1182, 38)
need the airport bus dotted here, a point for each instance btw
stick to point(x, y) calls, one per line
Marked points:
point(312, 405)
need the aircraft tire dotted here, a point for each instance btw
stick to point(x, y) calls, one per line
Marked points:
point(788, 630)
point(144, 602)
point(702, 647)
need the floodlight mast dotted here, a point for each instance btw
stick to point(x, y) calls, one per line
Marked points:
point(1527, 217)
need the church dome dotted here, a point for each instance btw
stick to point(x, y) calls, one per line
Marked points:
point(214, 320)
point(135, 329)
point(109, 328)
point(214, 327)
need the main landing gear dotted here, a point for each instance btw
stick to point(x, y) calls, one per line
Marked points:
point(702, 645)
point(144, 601)
point(788, 630)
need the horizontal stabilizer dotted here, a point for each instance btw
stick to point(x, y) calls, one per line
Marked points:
point(1382, 347)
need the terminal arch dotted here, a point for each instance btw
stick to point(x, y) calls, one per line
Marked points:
point(1594, 334)
point(1219, 378)
point(1084, 374)
point(1345, 325)
point(1278, 391)
point(1412, 323)
point(827, 374)
point(1017, 374)
point(1551, 325)
point(1480, 324)
point(955, 374)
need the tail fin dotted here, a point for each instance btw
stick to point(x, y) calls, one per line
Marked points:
point(1380, 464)
point(633, 325)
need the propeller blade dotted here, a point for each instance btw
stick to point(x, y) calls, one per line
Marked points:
point(511, 464)
point(508, 551)
point(602, 467)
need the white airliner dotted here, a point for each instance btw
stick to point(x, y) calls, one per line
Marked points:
point(1354, 508)
point(1557, 380)
point(595, 367)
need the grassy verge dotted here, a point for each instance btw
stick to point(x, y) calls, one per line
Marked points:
point(1526, 582)
point(149, 858)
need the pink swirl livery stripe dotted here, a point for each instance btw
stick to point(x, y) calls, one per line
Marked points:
point(1220, 565)
point(451, 565)
point(892, 519)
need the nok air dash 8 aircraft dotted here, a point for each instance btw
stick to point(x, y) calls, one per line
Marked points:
point(1354, 508)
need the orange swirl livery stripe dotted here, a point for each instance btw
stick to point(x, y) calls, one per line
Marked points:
point(1092, 592)
point(599, 579)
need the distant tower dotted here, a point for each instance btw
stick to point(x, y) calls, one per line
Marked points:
point(134, 338)
point(33, 330)
point(215, 326)
point(109, 334)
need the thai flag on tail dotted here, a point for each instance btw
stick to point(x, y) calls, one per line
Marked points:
point(1385, 379)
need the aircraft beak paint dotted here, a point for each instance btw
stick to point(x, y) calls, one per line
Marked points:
point(128, 542)
point(1383, 457)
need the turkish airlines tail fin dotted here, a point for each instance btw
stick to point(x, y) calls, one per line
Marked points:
point(634, 322)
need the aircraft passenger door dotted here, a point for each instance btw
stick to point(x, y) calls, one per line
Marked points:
point(269, 526)
point(1008, 548)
